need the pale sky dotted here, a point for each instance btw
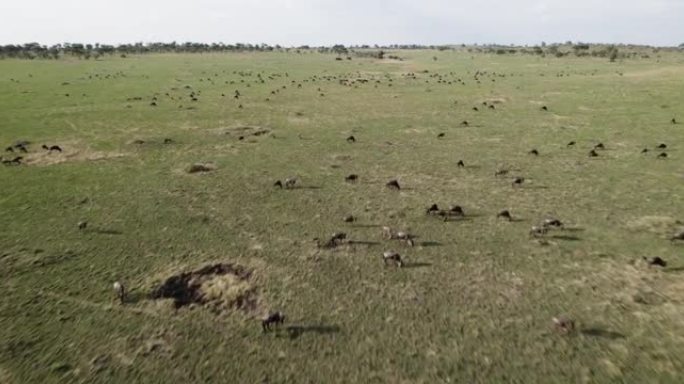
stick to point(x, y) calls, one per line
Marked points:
point(327, 22)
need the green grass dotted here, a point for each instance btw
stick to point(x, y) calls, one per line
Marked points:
point(476, 308)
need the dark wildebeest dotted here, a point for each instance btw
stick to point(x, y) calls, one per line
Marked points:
point(393, 184)
point(351, 139)
point(274, 318)
point(351, 178)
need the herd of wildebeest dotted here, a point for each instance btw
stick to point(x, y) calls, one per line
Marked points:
point(389, 257)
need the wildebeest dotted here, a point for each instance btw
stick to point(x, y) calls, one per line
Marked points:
point(599, 146)
point(537, 231)
point(349, 219)
point(663, 155)
point(52, 148)
point(290, 182)
point(505, 214)
point(273, 318)
point(518, 181)
point(678, 235)
point(674, 121)
point(352, 178)
point(15, 161)
point(460, 164)
point(464, 123)
point(82, 225)
point(570, 144)
point(533, 152)
point(475, 109)
point(544, 108)
point(657, 261)
point(662, 146)
point(593, 153)
point(432, 209)
point(351, 139)
point(9, 149)
point(279, 184)
point(441, 134)
point(392, 257)
point(456, 210)
point(552, 222)
point(563, 324)
point(120, 291)
point(393, 184)
point(645, 150)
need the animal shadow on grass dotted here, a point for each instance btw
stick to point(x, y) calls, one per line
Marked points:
point(430, 244)
point(674, 269)
point(598, 332)
point(294, 331)
point(361, 242)
point(566, 237)
point(106, 231)
point(306, 187)
point(417, 265)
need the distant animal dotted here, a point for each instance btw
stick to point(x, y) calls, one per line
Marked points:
point(21, 148)
point(274, 318)
point(290, 182)
point(518, 181)
point(599, 146)
point(544, 108)
point(432, 209)
point(153, 104)
point(492, 107)
point(352, 178)
point(387, 233)
point(460, 164)
point(349, 219)
point(563, 325)
point(120, 291)
point(663, 155)
point(537, 231)
point(534, 152)
point(464, 123)
point(657, 261)
point(15, 161)
point(593, 153)
point(570, 144)
point(168, 141)
point(441, 134)
point(391, 257)
point(351, 139)
point(678, 236)
point(82, 225)
point(505, 214)
point(9, 149)
point(674, 121)
point(662, 146)
point(456, 210)
point(501, 172)
point(279, 184)
point(551, 222)
point(53, 148)
point(645, 150)
point(393, 184)
point(475, 109)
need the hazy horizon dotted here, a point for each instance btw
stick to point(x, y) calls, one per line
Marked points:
point(353, 22)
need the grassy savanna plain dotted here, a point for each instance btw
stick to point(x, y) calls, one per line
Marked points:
point(474, 303)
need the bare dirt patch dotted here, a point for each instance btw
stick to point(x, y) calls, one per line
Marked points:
point(220, 287)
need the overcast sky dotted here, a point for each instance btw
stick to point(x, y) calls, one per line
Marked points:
point(325, 22)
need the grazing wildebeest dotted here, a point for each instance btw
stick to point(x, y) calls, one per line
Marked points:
point(662, 146)
point(518, 181)
point(674, 121)
point(392, 257)
point(349, 219)
point(456, 210)
point(393, 184)
point(544, 108)
point(9, 149)
point(168, 141)
point(432, 209)
point(54, 148)
point(537, 231)
point(351, 139)
point(16, 161)
point(273, 318)
point(120, 291)
point(475, 109)
point(501, 172)
point(552, 222)
point(599, 146)
point(460, 164)
point(290, 182)
point(678, 236)
point(351, 178)
point(278, 183)
point(464, 123)
point(534, 152)
point(657, 261)
point(21, 148)
point(441, 134)
point(663, 155)
point(82, 225)
point(644, 150)
point(593, 153)
point(570, 144)
point(492, 107)
point(505, 214)
point(563, 324)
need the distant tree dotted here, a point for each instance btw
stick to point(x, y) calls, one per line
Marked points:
point(613, 54)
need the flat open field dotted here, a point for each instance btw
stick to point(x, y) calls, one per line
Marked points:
point(475, 300)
